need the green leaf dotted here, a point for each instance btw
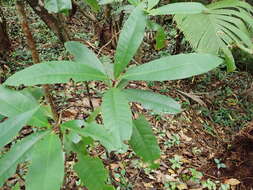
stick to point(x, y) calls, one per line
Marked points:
point(156, 102)
point(84, 55)
point(108, 187)
point(54, 72)
point(73, 142)
point(152, 3)
point(225, 24)
point(57, 6)
point(134, 2)
point(35, 92)
point(93, 130)
point(93, 4)
point(160, 38)
point(47, 165)
point(16, 187)
point(130, 39)
point(91, 172)
point(18, 154)
point(174, 67)
point(17, 102)
point(104, 2)
point(117, 115)
point(179, 8)
point(10, 128)
point(143, 141)
point(99, 133)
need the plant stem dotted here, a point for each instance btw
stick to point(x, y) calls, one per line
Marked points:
point(35, 56)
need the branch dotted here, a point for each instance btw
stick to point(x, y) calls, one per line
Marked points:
point(35, 56)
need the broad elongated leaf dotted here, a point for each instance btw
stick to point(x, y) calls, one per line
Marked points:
point(143, 141)
point(91, 172)
point(174, 67)
point(35, 92)
point(93, 4)
point(93, 130)
point(108, 187)
point(54, 72)
point(99, 133)
point(156, 102)
point(130, 39)
point(179, 8)
point(10, 128)
point(104, 2)
point(47, 165)
point(152, 3)
point(17, 102)
point(57, 6)
point(84, 55)
point(225, 23)
point(134, 2)
point(18, 154)
point(117, 115)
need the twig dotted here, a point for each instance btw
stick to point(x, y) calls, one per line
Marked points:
point(35, 56)
point(100, 50)
point(87, 15)
point(89, 96)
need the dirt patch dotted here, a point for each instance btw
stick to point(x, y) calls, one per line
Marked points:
point(238, 160)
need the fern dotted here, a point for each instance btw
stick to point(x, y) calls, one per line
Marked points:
point(224, 24)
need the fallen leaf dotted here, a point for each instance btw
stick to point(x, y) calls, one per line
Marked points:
point(232, 181)
point(193, 97)
point(182, 186)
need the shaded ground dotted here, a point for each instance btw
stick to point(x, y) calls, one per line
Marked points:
point(215, 109)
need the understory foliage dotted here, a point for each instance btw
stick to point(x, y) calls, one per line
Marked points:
point(45, 150)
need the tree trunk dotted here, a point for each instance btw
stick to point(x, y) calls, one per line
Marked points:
point(53, 21)
point(5, 44)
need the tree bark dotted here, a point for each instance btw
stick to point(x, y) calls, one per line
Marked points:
point(51, 20)
point(5, 43)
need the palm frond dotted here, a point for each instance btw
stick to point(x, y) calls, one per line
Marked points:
point(224, 24)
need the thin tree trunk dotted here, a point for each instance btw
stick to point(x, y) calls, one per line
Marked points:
point(51, 20)
point(35, 55)
point(5, 43)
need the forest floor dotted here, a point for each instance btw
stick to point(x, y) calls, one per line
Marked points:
point(205, 139)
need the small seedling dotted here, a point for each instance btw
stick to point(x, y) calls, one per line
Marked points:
point(176, 162)
point(174, 140)
point(209, 184)
point(171, 185)
point(219, 164)
point(195, 175)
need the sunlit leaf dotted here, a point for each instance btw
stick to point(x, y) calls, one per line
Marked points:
point(130, 39)
point(143, 141)
point(18, 154)
point(174, 67)
point(54, 72)
point(154, 101)
point(47, 165)
point(91, 172)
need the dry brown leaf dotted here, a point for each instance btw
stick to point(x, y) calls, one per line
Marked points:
point(193, 97)
point(232, 181)
point(182, 186)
